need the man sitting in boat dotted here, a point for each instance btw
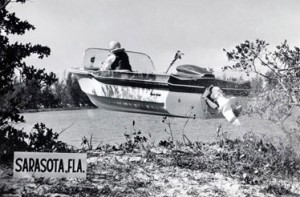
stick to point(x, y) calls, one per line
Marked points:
point(117, 60)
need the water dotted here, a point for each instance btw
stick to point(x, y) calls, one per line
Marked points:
point(110, 126)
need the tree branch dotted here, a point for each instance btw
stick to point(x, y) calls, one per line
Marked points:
point(289, 69)
point(5, 3)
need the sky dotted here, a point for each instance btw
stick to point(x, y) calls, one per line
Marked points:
point(201, 29)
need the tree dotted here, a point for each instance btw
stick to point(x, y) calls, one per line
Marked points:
point(257, 84)
point(74, 91)
point(12, 65)
point(280, 98)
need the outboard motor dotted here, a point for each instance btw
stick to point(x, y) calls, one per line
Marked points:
point(215, 98)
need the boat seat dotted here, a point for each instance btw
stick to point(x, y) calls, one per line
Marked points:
point(192, 71)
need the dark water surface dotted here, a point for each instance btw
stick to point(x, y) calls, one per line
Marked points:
point(109, 126)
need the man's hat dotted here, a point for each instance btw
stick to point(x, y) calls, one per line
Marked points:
point(114, 45)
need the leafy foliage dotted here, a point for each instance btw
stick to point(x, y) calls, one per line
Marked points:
point(12, 56)
point(134, 140)
point(279, 99)
point(11, 140)
point(73, 91)
point(43, 139)
point(283, 67)
point(252, 160)
point(15, 78)
point(59, 94)
point(257, 85)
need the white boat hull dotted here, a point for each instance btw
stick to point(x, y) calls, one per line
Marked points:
point(146, 100)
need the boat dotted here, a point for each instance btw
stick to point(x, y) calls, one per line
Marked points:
point(145, 91)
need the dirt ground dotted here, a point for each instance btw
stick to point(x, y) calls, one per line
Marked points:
point(133, 174)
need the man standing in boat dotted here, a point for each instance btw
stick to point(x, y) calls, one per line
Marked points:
point(117, 60)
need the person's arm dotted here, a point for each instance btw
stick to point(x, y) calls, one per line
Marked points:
point(106, 65)
point(211, 103)
point(206, 96)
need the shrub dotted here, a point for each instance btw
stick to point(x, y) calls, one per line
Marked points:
point(281, 94)
point(279, 100)
point(43, 139)
point(133, 141)
point(252, 159)
point(11, 140)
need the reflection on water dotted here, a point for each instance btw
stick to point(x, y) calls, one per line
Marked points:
point(109, 126)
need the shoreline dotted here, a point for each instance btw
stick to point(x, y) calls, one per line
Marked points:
point(55, 109)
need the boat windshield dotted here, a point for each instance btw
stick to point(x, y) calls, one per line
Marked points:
point(139, 62)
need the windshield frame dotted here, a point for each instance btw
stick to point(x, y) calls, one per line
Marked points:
point(127, 51)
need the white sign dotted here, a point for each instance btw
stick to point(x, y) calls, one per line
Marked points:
point(50, 165)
